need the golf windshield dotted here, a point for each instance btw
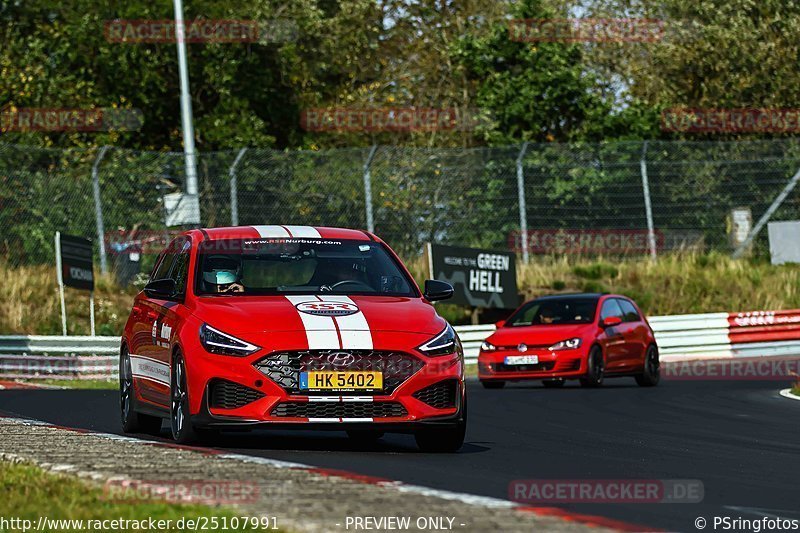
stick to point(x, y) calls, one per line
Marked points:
point(298, 266)
point(555, 312)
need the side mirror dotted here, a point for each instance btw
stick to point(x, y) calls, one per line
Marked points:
point(499, 324)
point(437, 290)
point(160, 288)
point(611, 322)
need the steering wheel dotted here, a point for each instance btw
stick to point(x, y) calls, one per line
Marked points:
point(344, 282)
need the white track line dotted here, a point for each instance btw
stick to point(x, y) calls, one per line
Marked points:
point(787, 393)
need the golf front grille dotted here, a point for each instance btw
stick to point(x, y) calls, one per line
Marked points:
point(440, 395)
point(284, 368)
point(547, 366)
point(339, 410)
point(229, 395)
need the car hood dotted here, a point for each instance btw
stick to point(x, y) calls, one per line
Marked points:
point(255, 314)
point(537, 335)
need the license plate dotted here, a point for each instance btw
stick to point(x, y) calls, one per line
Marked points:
point(331, 380)
point(522, 360)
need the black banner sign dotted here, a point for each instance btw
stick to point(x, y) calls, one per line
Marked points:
point(76, 262)
point(481, 278)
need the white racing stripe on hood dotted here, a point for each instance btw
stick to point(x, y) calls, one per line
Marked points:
point(320, 330)
point(303, 232)
point(267, 232)
point(354, 328)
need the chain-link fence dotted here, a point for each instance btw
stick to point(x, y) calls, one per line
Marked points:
point(610, 198)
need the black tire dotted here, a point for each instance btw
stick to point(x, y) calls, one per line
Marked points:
point(180, 423)
point(556, 383)
point(493, 384)
point(132, 421)
point(448, 439)
point(365, 436)
point(596, 370)
point(652, 368)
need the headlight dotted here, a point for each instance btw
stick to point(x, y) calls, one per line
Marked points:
point(215, 341)
point(569, 344)
point(444, 343)
point(488, 346)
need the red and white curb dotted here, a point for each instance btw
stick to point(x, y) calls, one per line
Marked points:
point(399, 486)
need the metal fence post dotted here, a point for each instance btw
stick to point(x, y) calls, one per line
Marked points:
point(523, 215)
point(648, 207)
point(234, 188)
point(98, 209)
point(368, 189)
point(767, 215)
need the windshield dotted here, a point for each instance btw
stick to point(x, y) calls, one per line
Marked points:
point(555, 312)
point(298, 266)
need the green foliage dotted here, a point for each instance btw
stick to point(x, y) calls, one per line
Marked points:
point(595, 271)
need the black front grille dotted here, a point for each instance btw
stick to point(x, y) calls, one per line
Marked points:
point(541, 367)
point(440, 395)
point(284, 368)
point(229, 395)
point(339, 410)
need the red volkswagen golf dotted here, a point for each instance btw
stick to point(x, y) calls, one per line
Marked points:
point(576, 336)
point(291, 326)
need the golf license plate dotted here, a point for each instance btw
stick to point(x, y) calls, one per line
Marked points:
point(333, 380)
point(522, 360)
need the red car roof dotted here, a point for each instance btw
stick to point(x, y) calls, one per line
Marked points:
point(288, 231)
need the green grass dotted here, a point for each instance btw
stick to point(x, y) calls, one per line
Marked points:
point(28, 492)
point(796, 390)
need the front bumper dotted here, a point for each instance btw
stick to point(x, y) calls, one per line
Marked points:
point(240, 392)
point(566, 364)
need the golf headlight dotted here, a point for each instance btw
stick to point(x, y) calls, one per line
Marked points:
point(444, 343)
point(569, 344)
point(215, 341)
point(488, 346)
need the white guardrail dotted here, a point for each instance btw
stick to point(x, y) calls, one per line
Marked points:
point(679, 337)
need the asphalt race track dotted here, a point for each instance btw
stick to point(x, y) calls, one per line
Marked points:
point(740, 438)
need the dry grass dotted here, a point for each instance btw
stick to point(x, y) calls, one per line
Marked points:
point(31, 304)
point(687, 283)
point(681, 283)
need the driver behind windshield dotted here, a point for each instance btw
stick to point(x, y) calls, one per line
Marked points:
point(223, 274)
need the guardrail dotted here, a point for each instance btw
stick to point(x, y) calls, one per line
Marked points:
point(679, 337)
point(58, 357)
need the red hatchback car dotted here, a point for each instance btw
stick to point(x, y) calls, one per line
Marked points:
point(575, 336)
point(291, 326)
